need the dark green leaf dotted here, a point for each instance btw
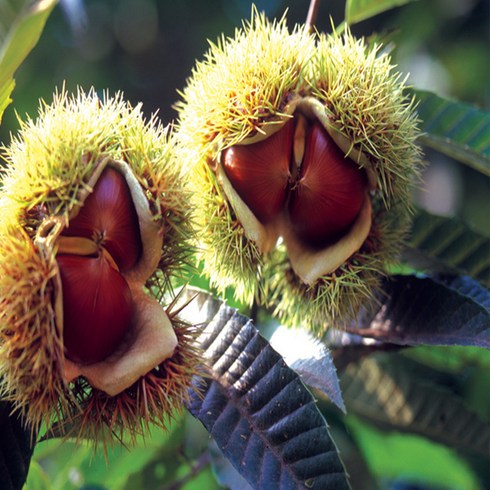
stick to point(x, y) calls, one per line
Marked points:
point(226, 473)
point(455, 129)
point(394, 393)
point(358, 10)
point(260, 414)
point(310, 358)
point(440, 244)
point(15, 449)
point(417, 310)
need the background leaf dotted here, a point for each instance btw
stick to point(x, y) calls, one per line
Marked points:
point(452, 358)
point(21, 24)
point(455, 129)
point(440, 244)
point(67, 465)
point(15, 449)
point(5, 91)
point(398, 393)
point(422, 310)
point(260, 414)
point(358, 10)
point(411, 461)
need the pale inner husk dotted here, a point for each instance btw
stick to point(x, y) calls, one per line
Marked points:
point(307, 263)
point(152, 338)
point(153, 341)
point(314, 108)
point(310, 264)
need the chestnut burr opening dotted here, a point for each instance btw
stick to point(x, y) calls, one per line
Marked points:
point(105, 242)
point(300, 176)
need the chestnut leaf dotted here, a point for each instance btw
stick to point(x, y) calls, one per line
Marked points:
point(456, 129)
point(359, 10)
point(226, 474)
point(257, 409)
point(397, 393)
point(310, 358)
point(15, 449)
point(440, 244)
point(21, 24)
point(433, 311)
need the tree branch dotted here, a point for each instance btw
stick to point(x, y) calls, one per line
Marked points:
point(312, 14)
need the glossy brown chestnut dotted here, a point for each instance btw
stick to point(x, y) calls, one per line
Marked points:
point(97, 307)
point(260, 173)
point(97, 301)
point(329, 194)
point(299, 172)
point(109, 218)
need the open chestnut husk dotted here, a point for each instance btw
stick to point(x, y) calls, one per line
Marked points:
point(96, 224)
point(301, 150)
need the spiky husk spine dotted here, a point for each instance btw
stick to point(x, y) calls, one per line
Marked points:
point(364, 97)
point(243, 88)
point(48, 164)
point(156, 399)
point(336, 299)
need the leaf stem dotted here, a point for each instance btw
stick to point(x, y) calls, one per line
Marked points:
point(312, 14)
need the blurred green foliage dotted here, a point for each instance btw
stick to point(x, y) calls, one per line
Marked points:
point(147, 47)
point(160, 460)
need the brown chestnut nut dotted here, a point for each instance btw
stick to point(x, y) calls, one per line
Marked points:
point(109, 218)
point(329, 193)
point(97, 307)
point(260, 172)
point(299, 172)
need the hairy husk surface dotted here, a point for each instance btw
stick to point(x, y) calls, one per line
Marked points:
point(48, 166)
point(249, 84)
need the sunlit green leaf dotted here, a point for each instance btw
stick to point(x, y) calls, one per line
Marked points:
point(37, 479)
point(397, 393)
point(5, 92)
point(358, 10)
point(21, 24)
point(448, 245)
point(260, 414)
point(456, 129)
point(22, 35)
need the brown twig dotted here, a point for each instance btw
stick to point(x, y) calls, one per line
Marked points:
point(312, 14)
